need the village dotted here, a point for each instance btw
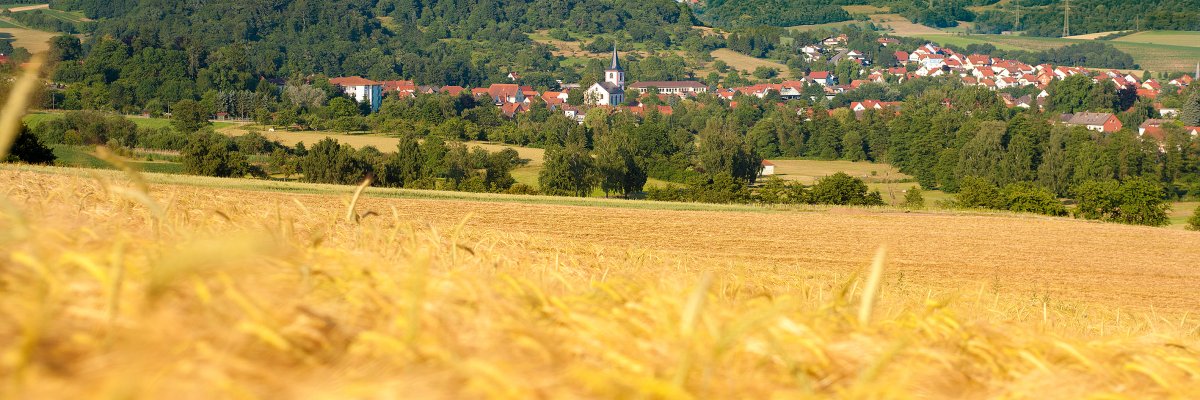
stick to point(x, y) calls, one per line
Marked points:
point(926, 61)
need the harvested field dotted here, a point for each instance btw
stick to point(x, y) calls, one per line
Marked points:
point(1091, 36)
point(898, 25)
point(866, 9)
point(232, 293)
point(24, 7)
point(747, 63)
point(31, 39)
point(809, 171)
point(574, 48)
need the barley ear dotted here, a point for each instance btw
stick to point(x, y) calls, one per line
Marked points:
point(869, 293)
point(18, 102)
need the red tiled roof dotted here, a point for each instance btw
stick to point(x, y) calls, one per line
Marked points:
point(352, 81)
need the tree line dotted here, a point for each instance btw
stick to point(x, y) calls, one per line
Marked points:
point(1045, 18)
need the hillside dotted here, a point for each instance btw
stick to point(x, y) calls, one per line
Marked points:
point(281, 295)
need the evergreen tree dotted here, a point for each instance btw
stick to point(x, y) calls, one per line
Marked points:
point(331, 162)
point(853, 146)
point(403, 167)
point(1189, 114)
point(722, 151)
point(1055, 169)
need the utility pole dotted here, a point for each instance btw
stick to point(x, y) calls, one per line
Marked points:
point(1017, 26)
point(1067, 20)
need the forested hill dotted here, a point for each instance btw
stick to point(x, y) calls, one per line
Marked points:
point(435, 41)
point(749, 13)
point(1038, 17)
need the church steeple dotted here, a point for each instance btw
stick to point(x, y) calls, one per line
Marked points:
point(616, 65)
point(614, 74)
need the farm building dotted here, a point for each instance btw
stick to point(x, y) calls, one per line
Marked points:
point(768, 168)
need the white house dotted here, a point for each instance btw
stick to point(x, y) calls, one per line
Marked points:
point(361, 89)
point(611, 91)
point(823, 78)
point(768, 168)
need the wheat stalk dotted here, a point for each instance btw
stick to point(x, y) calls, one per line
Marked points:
point(17, 103)
point(869, 293)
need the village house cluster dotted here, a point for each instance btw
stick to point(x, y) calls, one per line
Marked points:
point(927, 60)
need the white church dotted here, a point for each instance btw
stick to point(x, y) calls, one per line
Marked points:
point(611, 92)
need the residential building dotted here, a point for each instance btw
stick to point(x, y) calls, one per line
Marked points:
point(1099, 122)
point(361, 90)
point(679, 88)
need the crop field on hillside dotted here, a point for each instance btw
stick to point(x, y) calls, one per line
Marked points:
point(1091, 36)
point(747, 63)
point(898, 25)
point(1155, 57)
point(830, 26)
point(809, 171)
point(865, 9)
point(31, 39)
point(231, 293)
point(1171, 38)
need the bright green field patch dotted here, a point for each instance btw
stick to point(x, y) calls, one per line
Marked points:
point(37, 118)
point(6, 24)
point(828, 26)
point(82, 157)
point(34, 119)
point(1181, 212)
point(69, 16)
point(1170, 38)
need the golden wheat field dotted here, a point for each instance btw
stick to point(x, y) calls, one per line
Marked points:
point(114, 287)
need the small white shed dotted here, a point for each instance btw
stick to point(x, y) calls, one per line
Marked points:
point(768, 168)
